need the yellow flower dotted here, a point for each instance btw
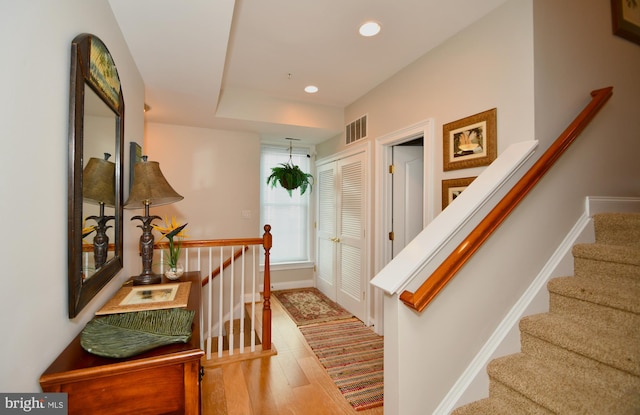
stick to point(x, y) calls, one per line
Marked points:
point(171, 229)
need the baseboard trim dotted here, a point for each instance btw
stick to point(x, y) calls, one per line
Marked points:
point(603, 204)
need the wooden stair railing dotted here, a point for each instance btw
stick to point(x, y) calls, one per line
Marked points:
point(266, 242)
point(225, 264)
point(430, 288)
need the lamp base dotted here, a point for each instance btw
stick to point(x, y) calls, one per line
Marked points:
point(146, 279)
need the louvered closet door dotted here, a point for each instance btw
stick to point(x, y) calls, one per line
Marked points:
point(350, 278)
point(326, 229)
point(340, 232)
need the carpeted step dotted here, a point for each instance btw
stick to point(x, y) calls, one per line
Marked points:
point(521, 378)
point(582, 348)
point(490, 406)
point(617, 228)
point(605, 260)
point(600, 302)
point(606, 375)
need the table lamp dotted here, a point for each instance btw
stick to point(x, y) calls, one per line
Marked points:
point(149, 188)
point(98, 187)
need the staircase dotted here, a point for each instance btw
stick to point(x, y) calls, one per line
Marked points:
point(583, 356)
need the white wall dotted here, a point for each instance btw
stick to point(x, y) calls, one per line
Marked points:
point(217, 172)
point(35, 40)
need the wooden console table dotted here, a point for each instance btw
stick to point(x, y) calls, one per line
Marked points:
point(165, 380)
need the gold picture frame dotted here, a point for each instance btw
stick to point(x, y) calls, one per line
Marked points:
point(625, 15)
point(469, 142)
point(147, 297)
point(452, 188)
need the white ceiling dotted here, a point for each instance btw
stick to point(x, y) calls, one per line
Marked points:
point(243, 64)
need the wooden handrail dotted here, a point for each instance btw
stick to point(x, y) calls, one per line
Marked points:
point(225, 264)
point(212, 242)
point(452, 264)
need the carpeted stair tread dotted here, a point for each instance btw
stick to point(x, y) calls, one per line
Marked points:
point(559, 391)
point(619, 352)
point(621, 254)
point(586, 267)
point(489, 406)
point(617, 228)
point(602, 373)
point(596, 315)
point(623, 294)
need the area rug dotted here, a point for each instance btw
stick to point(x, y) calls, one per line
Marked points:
point(353, 355)
point(309, 306)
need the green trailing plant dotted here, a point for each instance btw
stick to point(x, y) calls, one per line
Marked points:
point(290, 177)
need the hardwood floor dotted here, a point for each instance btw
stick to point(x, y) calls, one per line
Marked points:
point(293, 382)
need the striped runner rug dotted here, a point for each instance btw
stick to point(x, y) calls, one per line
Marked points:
point(352, 354)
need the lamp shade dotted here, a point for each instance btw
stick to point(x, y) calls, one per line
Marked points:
point(98, 181)
point(150, 187)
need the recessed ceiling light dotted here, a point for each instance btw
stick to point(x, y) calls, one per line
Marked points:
point(311, 89)
point(370, 29)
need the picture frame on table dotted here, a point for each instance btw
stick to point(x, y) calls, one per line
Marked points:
point(625, 16)
point(452, 188)
point(470, 141)
point(134, 298)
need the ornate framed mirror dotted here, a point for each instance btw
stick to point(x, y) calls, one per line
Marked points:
point(96, 141)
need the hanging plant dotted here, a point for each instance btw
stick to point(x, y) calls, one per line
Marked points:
point(290, 177)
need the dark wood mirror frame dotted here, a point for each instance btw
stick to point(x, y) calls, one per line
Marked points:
point(91, 67)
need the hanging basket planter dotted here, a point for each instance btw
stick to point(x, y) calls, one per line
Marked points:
point(290, 177)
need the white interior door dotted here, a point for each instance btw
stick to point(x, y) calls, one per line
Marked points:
point(326, 232)
point(351, 242)
point(341, 248)
point(408, 199)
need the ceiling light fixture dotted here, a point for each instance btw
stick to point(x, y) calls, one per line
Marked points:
point(311, 89)
point(369, 29)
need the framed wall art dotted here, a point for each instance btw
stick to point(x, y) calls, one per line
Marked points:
point(625, 16)
point(469, 142)
point(452, 188)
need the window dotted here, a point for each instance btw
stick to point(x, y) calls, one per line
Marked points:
point(288, 215)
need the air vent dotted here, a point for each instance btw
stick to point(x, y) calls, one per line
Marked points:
point(356, 130)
